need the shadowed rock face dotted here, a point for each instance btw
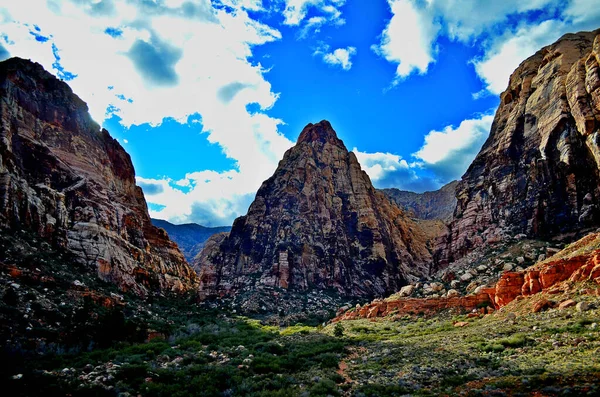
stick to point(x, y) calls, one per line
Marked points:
point(438, 204)
point(538, 172)
point(317, 223)
point(69, 181)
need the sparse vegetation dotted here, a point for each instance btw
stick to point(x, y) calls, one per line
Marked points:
point(84, 347)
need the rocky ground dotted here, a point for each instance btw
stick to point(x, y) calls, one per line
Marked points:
point(512, 352)
point(482, 268)
point(277, 306)
point(65, 332)
point(49, 303)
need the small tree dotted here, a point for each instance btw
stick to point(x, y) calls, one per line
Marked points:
point(338, 330)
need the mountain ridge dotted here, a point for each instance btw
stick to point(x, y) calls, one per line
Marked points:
point(190, 237)
point(436, 204)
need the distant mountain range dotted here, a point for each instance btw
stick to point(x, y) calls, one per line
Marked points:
point(190, 237)
point(439, 204)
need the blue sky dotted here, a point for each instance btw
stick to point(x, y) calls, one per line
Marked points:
point(206, 96)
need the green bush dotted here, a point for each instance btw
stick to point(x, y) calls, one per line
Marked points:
point(338, 330)
point(325, 387)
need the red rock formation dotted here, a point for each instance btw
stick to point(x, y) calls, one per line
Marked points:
point(380, 308)
point(319, 223)
point(538, 172)
point(66, 179)
point(577, 263)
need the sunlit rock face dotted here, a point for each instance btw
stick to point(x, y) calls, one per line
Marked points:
point(66, 179)
point(538, 172)
point(317, 223)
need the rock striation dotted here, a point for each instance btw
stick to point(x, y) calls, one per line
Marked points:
point(438, 204)
point(66, 179)
point(538, 172)
point(317, 223)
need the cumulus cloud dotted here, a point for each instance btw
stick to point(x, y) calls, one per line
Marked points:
point(506, 32)
point(327, 12)
point(449, 152)
point(339, 57)
point(155, 60)
point(208, 198)
point(391, 170)
point(295, 11)
point(504, 53)
point(166, 59)
point(444, 156)
point(409, 38)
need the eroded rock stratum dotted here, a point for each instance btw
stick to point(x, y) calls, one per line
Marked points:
point(538, 172)
point(66, 179)
point(318, 223)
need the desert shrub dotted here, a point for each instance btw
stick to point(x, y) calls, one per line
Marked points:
point(325, 387)
point(328, 360)
point(514, 341)
point(338, 330)
point(374, 390)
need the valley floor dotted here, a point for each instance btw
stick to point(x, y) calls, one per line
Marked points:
point(552, 353)
point(64, 332)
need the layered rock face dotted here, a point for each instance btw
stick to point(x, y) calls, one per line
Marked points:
point(66, 179)
point(538, 172)
point(317, 223)
point(439, 204)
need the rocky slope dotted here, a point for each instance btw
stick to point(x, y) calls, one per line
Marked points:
point(538, 172)
point(318, 223)
point(190, 237)
point(66, 179)
point(576, 265)
point(438, 204)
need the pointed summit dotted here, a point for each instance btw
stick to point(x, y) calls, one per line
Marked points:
point(321, 132)
point(317, 223)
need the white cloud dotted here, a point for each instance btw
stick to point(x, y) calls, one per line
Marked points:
point(157, 56)
point(391, 170)
point(444, 157)
point(409, 37)
point(328, 12)
point(504, 54)
point(296, 10)
point(339, 57)
point(449, 152)
point(495, 67)
point(207, 197)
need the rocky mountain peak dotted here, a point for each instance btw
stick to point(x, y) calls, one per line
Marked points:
point(67, 180)
point(321, 132)
point(317, 223)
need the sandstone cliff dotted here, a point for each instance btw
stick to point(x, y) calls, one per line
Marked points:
point(538, 172)
point(438, 204)
point(66, 179)
point(317, 223)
